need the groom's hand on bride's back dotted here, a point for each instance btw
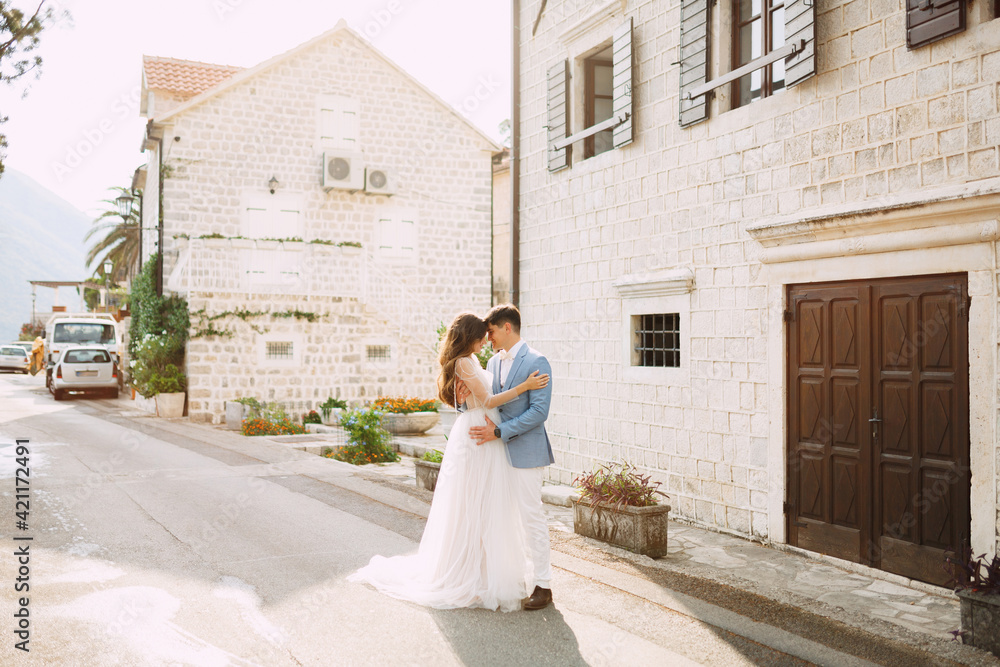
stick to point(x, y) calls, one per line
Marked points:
point(483, 434)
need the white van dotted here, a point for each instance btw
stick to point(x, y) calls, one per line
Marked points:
point(65, 330)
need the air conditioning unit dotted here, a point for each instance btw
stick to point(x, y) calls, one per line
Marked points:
point(380, 182)
point(343, 171)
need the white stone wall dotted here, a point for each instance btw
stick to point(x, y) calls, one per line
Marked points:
point(877, 120)
point(266, 126)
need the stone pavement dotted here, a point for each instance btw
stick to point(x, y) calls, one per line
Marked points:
point(712, 566)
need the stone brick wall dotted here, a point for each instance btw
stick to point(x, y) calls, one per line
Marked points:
point(266, 126)
point(878, 119)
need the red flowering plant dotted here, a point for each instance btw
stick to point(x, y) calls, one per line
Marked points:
point(404, 404)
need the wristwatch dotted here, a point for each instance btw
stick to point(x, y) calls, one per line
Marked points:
point(496, 431)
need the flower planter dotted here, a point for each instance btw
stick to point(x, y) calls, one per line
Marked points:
point(981, 620)
point(170, 405)
point(410, 423)
point(330, 416)
point(235, 414)
point(427, 474)
point(448, 418)
point(642, 530)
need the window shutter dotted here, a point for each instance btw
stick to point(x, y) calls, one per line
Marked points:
point(338, 125)
point(800, 22)
point(694, 59)
point(930, 20)
point(558, 80)
point(621, 67)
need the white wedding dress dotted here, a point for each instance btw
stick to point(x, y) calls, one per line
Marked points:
point(473, 551)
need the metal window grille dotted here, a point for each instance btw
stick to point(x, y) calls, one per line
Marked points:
point(379, 353)
point(657, 340)
point(277, 351)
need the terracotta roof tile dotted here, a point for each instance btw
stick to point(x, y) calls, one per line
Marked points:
point(184, 78)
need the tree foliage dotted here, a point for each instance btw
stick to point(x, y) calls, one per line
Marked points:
point(19, 37)
point(116, 240)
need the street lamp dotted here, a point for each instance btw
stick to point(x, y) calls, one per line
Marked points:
point(124, 202)
point(272, 184)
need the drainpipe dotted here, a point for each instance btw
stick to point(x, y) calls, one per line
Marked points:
point(515, 151)
point(159, 218)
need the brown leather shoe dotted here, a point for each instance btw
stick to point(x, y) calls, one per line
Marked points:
point(540, 598)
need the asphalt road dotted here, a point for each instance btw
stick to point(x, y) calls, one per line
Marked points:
point(157, 543)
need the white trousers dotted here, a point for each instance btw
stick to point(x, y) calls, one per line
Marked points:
point(528, 491)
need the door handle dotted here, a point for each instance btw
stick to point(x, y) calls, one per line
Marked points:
point(875, 421)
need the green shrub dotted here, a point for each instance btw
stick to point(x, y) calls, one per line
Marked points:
point(312, 418)
point(367, 441)
point(433, 456)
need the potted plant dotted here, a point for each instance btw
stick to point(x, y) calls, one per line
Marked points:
point(618, 505)
point(977, 583)
point(168, 386)
point(427, 469)
point(331, 409)
point(407, 416)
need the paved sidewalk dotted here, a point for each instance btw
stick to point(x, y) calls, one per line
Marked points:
point(794, 577)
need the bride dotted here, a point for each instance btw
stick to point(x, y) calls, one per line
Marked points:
point(472, 553)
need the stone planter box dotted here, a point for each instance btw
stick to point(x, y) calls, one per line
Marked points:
point(235, 414)
point(981, 620)
point(170, 405)
point(448, 417)
point(427, 474)
point(330, 416)
point(411, 423)
point(642, 530)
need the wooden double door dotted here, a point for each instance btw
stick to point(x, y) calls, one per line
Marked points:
point(878, 421)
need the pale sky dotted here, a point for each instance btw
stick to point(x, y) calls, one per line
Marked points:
point(78, 131)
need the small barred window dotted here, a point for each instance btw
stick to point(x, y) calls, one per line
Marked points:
point(379, 353)
point(279, 351)
point(656, 340)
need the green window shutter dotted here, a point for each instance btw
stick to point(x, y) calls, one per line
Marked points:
point(621, 69)
point(558, 101)
point(694, 59)
point(800, 25)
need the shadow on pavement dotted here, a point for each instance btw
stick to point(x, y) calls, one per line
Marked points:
point(480, 637)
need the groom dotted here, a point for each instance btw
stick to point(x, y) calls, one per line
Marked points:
point(522, 429)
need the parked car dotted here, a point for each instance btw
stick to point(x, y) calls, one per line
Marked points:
point(26, 344)
point(14, 358)
point(85, 369)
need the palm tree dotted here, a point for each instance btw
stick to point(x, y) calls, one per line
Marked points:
point(120, 240)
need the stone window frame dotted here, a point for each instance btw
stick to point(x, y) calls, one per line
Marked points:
point(279, 337)
point(393, 346)
point(666, 291)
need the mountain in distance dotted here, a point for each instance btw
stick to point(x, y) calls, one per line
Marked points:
point(41, 238)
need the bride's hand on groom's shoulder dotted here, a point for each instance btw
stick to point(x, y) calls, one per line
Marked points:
point(536, 380)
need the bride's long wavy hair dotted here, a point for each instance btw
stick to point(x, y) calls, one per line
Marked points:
point(461, 337)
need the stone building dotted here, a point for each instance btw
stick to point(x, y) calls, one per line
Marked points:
point(323, 212)
point(501, 227)
point(768, 273)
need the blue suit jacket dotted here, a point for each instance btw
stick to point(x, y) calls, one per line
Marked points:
point(523, 420)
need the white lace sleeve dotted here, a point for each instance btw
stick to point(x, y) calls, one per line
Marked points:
point(468, 371)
